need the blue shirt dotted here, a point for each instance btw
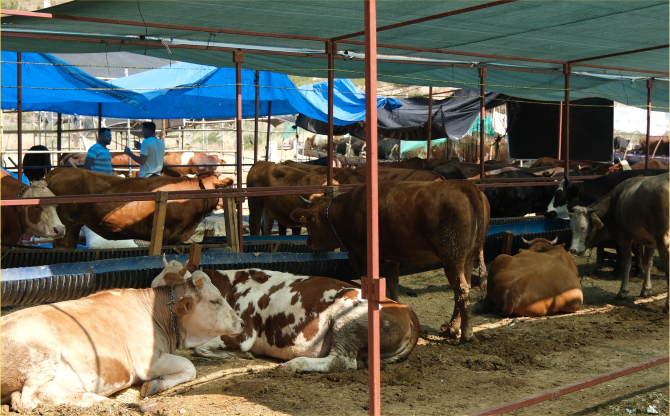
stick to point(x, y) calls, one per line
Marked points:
point(155, 151)
point(102, 159)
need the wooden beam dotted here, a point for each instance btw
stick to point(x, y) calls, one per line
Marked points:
point(194, 255)
point(159, 224)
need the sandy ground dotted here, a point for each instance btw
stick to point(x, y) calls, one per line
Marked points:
point(508, 360)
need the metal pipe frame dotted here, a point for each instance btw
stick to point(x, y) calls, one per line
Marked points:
point(373, 284)
point(429, 151)
point(19, 109)
point(611, 55)
point(650, 85)
point(258, 76)
point(560, 129)
point(59, 135)
point(267, 145)
point(482, 119)
point(331, 49)
point(566, 120)
point(238, 59)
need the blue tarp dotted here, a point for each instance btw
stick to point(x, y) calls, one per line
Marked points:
point(50, 84)
point(15, 176)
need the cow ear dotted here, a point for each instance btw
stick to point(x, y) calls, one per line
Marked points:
point(198, 282)
point(172, 279)
point(184, 306)
point(597, 224)
point(302, 215)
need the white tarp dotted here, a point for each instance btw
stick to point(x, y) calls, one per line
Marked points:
point(632, 119)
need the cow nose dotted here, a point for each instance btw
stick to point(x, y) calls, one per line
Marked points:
point(242, 325)
point(59, 230)
point(573, 251)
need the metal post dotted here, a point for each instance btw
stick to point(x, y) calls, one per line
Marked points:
point(650, 84)
point(130, 161)
point(163, 130)
point(372, 281)
point(430, 123)
point(20, 114)
point(560, 128)
point(238, 59)
point(258, 76)
point(566, 120)
point(482, 118)
point(99, 115)
point(59, 135)
point(331, 48)
point(267, 145)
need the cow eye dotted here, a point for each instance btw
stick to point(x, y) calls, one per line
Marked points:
point(214, 302)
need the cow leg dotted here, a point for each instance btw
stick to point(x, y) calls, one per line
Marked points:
point(166, 372)
point(459, 284)
point(639, 252)
point(255, 214)
point(57, 394)
point(664, 253)
point(268, 222)
point(225, 346)
point(647, 259)
point(296, 230)
point(392, 279)
point(282, 229)
point(624, 269)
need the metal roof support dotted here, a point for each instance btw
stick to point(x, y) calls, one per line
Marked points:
point(560, 128)
point(238, 59)
point(258, 75)
point(428, 18)
point(611, 55)
point(429, 150)
point(650, 84)
point(19, 93)
point(566, 120)
point(331, 50)
point(375, 290)
point(267, 143)
point(482, 119)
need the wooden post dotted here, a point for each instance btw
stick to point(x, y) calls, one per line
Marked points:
point(59, 136)
point(507, 242)
point(429, 151)
point(159, 224)
point(163, 130)
point(194, 253)
point(230, 221)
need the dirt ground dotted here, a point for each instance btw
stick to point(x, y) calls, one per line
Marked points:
point(508, 360)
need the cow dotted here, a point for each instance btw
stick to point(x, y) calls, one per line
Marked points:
point(420, 223)
point(279, 207)
point(394, 174)
point(636, 210)
point(36, 165)
point(77, 159)
point(174, 158)
point(653, 164)
point(620, 144)
point(658, 146)
point(320, 142)
point(341, 175)
point(539, 281)
point(317, 324)
point(37, 220)
point(323, 161)
point(130, 220)
point(596, 168)
point(500, 149)
point(414, 163)
point(387, 149)
point(356, 146)
point(80, 351)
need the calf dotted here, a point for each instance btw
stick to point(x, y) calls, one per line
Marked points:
point(317, 323)
point(420, 223)
point(542, 280)
point(37, 220)
point(636, 210)
point(79, 351)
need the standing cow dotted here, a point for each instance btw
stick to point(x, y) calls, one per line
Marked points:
point(636, 210)
point(420, 223)
point(542, 280)
point(79, 351)
point(317, 323)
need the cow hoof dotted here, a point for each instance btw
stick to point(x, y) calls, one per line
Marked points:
point(646, 293)
point(451, 333)
point(17, 406)
point(469, 336)
point(149, 388)
point(622, 295)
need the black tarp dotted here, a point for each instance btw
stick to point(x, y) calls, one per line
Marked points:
point(452, 117)
point(533, 128)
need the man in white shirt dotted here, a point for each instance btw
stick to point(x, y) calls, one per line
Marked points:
point(98, 158)
point(152, 152)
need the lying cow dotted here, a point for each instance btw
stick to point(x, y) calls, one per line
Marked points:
point(37, 220)
point(420, 223)
point(130, 220)
point(636, 210)
point(542, 280)
point(79, 351)
point(317, 323)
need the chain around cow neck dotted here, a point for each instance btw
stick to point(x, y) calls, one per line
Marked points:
point(342, 246)
point(174, 320)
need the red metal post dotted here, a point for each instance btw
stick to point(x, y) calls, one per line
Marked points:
point(566, 120)
point(330, 49)
point(560, 129)
point(238, 59)
point(482, 119)
point(373, 283)
point(650, 84)
point(399, 150)
point(430, 123)
point(258, 76)
point(19, 110)
point(267, 145)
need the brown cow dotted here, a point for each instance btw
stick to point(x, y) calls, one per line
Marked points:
point(37, 220)
point(420, 223)
point(341, 175)
point(653, 164)
point(79, 351)
point(129, 220)
point(317, 323)
point(174, 158)
point(658, 146)
point(542, 280)
point(394, 174)
point(636, 210)
point(596, 168)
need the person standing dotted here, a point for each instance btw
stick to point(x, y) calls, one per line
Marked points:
point(152, 152)
point(98, 158)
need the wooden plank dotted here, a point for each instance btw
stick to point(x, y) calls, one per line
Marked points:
point(194, 254)
point(230, 222)
point(507, 242)
point(159, 224)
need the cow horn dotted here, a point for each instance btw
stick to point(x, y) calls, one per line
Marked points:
point(165, 263)
point(554, 241)
point(183, 271)
point(305, 200)
point(591, 210)
point(526, 242)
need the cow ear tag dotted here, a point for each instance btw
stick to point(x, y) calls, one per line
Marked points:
point(198, 283)
point(303, 220)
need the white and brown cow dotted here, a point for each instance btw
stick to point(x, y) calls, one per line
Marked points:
point(79, 351)
point(318, 324)
point(37, 220)
point(542, 280)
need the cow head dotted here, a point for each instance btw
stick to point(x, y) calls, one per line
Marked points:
point(585, 224)
point(40, 220)
point(172, 270)
point(540, 245)
point(203, 313)
point(563, 198)
point(319, 232)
